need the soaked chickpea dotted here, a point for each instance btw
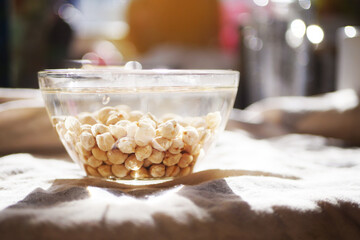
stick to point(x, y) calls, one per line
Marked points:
point(124, 143)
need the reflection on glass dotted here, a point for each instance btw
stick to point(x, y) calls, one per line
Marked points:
point(275, 53)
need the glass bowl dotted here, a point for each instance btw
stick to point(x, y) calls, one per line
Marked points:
point(138, 124)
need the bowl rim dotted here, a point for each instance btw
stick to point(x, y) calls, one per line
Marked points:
point(122, 71)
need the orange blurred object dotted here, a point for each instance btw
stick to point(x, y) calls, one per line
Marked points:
point(193, 23)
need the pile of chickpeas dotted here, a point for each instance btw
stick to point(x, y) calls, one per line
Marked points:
point(116, 142)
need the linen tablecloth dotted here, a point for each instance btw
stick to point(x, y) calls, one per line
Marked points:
point(290, 187)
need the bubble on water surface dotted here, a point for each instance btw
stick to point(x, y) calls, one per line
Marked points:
point(105, 99)
point(133, 65)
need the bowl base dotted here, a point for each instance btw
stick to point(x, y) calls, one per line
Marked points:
point(139, 182)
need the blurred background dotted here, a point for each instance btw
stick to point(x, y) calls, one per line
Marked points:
point(281, 47)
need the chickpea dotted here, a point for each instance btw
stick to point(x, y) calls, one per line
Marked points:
point(126, 145)
point(87, 118)
point(185, 160)
point(118, 131)
point(172, 171)
point(204, 134)
point(70, 138)
point(107, 162)
point(143, 152)
point(194, 150)
point(132, 163)
point(104, 113)
point(60, 128)
point(86, 128)
point(147, 163)
point(113, 119)
point(105, 170)
point(92, 171)
point(185, 171)
point(81, 150)
point(105, 141)
point(156, 156)
point(55, 120)
point(161, 144)
point(99, 128)
point(171, 159)
point(142, 173)
point(213, 120)
point(157, 170)
point(87, 140)
point(190, 136)
point(93, 162)
point(116, 156)
point(116, 117)
point(144, 133)
point(131, 129)
point(150, 118)
point(119, 170)
point(72, 124)
point(177, 146)
point(168, 129)
point(123, 123)
point(99, 154)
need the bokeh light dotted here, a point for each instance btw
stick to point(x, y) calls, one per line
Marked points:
point(315, 34)
point(350, 31)
point(261, 3)
point(298, 28)
point(305, 4)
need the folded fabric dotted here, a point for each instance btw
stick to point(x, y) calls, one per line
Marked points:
point(335, 115)
point(24, 123)
point(291, 187)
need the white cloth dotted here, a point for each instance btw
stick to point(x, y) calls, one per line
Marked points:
point(291, 187)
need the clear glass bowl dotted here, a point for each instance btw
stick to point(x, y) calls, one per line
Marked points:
point(138, 124)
